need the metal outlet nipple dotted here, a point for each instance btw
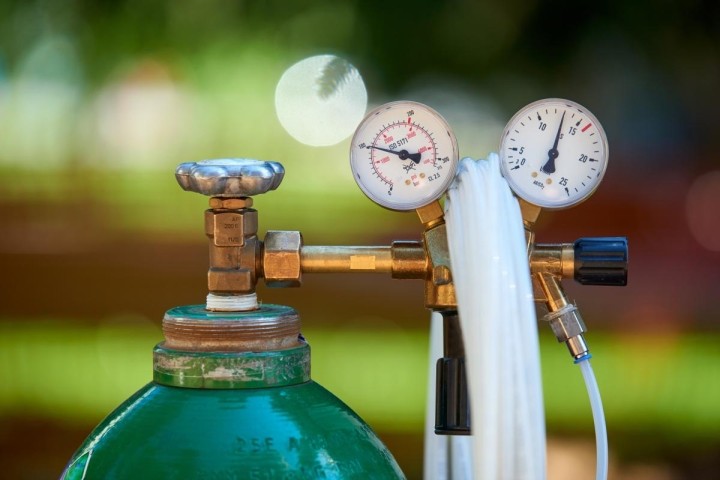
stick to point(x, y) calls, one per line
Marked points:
point(568, 327)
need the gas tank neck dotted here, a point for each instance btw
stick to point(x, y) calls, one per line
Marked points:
point(231, 350)
point(194, 328)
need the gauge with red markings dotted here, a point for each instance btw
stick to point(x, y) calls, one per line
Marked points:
point(554, 153)
point(403, 155)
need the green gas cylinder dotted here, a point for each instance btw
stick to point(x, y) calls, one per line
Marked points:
point(232, 398)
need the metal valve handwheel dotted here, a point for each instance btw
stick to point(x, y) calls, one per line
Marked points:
point(230, 177)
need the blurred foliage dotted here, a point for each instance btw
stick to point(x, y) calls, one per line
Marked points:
point(648, 57)
point(95, 95)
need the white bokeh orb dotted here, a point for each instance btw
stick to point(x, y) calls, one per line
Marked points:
point(321, 100)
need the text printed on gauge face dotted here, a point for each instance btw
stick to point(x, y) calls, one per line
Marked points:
point(554, 153)
point(403, 155)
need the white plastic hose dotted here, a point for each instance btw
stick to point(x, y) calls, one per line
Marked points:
point(497, 316)
point(601, 440)
point(436, 459)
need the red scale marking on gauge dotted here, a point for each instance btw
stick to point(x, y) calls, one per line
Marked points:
point(411, 135)
point(423, 149)
point(586, 127)
point(414, 180)
point(387, 139)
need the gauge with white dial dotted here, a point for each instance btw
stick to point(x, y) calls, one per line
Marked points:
point(403, 155)
point(554, 153)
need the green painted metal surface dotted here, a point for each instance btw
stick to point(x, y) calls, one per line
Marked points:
point(231, 369)
point(232, 415)
point(293, 432)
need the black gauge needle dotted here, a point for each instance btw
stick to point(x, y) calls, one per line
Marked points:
point(553, 153)
point(403, 154)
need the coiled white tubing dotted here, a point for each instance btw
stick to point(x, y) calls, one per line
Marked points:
point(490, 269)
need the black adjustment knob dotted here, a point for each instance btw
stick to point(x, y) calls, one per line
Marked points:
point(452, 411)
point(601, 261)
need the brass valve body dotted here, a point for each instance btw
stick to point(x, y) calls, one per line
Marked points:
point(234, 248)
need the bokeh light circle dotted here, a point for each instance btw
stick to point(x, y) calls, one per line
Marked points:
point(321, 100)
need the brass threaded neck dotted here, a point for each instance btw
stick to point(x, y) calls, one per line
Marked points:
point(193, 328)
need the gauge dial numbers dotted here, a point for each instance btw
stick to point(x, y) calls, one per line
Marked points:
point(403, 155)
point(554, 153)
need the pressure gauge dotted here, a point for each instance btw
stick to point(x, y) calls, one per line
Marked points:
point(403, 155)
point(554, 153)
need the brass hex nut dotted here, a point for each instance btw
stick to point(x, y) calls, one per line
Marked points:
point(430, 214)
point(230, 280)
point(281, 258)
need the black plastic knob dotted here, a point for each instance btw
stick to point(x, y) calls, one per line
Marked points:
point(452, 409)
point(601, 261)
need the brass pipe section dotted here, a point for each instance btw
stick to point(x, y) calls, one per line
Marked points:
point(342, 259)
point(552, 291)
point(407, 259)
point(401, 260)
point(283, 259)
point(283, 250)
point(553, 258)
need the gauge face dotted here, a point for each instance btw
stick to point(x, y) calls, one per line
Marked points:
point(403, 155)
point(554, 153)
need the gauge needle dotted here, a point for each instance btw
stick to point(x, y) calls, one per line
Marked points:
point(553, 153)
point(403, 154)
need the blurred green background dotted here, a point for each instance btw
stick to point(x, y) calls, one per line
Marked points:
point(100, 100)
